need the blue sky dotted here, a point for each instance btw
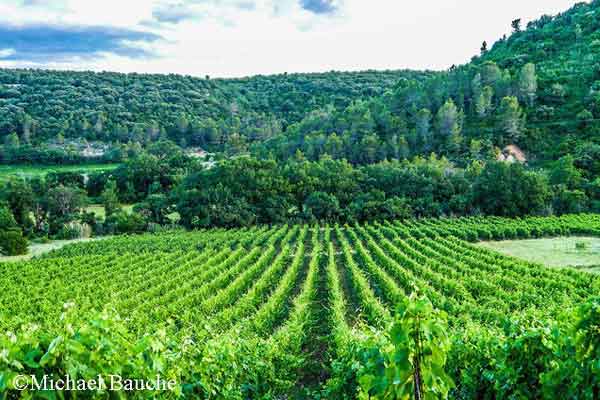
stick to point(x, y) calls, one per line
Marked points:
point(229, 38)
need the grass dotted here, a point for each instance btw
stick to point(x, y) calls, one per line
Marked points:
point(579, 252)
point(37, 249)
point(29, 171)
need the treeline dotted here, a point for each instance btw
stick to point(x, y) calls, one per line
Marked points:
point(171, 189)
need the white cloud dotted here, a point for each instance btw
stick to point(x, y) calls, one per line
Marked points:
point(6, 52)
point(244, 37)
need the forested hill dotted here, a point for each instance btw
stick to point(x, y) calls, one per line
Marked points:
point(538, 88)
point(565, 50)
point(40, 105)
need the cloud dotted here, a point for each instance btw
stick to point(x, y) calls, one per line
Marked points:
point(5, 53)
point(174, 13)
point(49, 43)
point(320, 6)
point(34, 3)
point(187, 10)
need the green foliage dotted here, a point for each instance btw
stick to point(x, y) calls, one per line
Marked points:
point(587, 342)
point(12, 242)
point(510, 190)
point(213, 113)
point(511, 121)
point(250, 312)
point(123, 222)
point(110, 199)
point(412, 365)
point(564, 172)
point(321, 206)
point(7, 220)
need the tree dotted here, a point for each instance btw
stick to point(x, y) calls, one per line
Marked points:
point(476, 83)
point(215, 206)
point(122, 222)
point(491, 75)
point(564, 172)
point(322, 206)
point(374, 206)
point(20, 198)
point(510, 190)
point(516, 25)
point(12, 140)
point(12, 242)
point(511, 119)
point(569, 201)
point(475, 148)
point(63, 205)
point(334, 146)
point(7, 220)
point(423, 127)
point(110, 198)
point(448, 120)
point(484, 47)
point(155, 208)
point(483, 102)
point(528, 84)
point(368, 147)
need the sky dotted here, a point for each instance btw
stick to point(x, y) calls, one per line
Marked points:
point(235, 38)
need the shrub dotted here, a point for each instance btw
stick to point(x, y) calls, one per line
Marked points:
point(12, 243)
point(122, 222)
point(74, 230)
point(7, 220)
point(523, 233)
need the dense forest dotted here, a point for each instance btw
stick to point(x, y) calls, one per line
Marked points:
point(38, 108)
point(514, 132)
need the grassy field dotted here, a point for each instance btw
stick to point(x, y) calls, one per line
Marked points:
point(28, 171)
point(553, 252)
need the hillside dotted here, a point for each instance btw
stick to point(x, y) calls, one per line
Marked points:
point(41, 106)
point(538, 88)
point(565, 50)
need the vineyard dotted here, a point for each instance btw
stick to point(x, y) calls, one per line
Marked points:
point(311, 312)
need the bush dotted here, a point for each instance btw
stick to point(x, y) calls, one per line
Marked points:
point(510, 232)
point(523, 233)
point(484, 234)
point(122, 222)
point(7, 220)
point(74, 230)
point(12, 243)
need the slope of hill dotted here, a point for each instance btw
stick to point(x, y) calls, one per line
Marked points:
point(539, 89)
point(40, 105)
